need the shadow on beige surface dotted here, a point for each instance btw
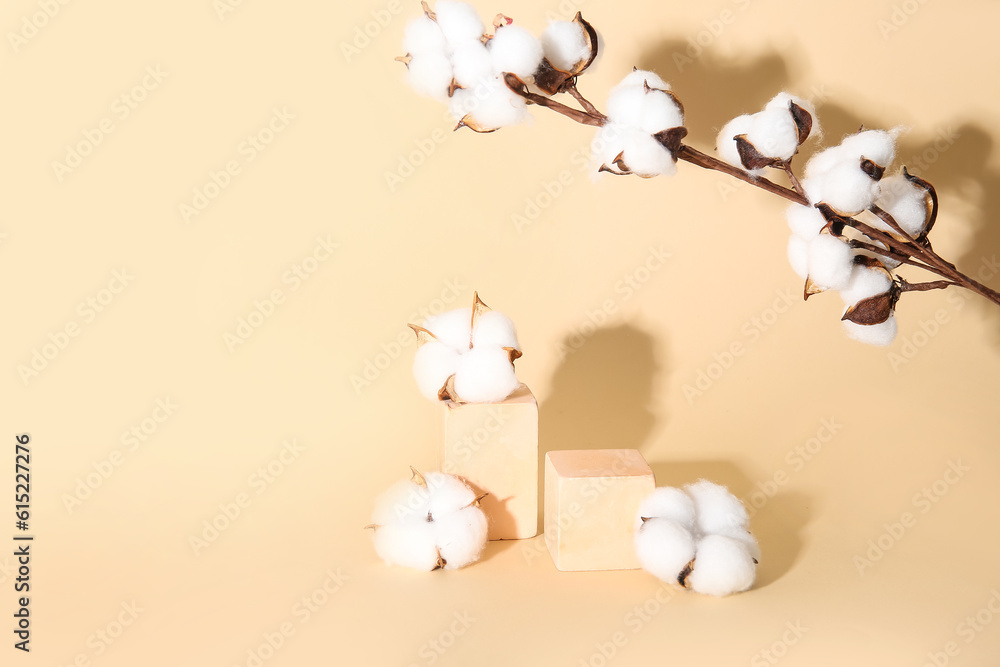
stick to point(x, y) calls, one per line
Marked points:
point(777, 524)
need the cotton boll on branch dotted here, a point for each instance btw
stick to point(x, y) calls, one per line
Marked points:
point(625, 105)
point(646, 157)
point(830, 262)
point(494, 105)
point(564, 44)
point(805, 221)
point(659, 112)
point(424, 36)
point(848, 189)
point(865, 282)
point(485, 375)
point(879, 146)
point(664, 548)
point(784, 100)
point(494, 329)
point(773, 133)
point(638, 77)
point(725, 143)
point(722, 566)
point(515, 50)
point(430, 75)
point(798, 255)
point(459, 21)
point(879, 335)
point(906, 202)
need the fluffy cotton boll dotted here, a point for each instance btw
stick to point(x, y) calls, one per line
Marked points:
point(804, 221)
point(667, 502)
point(747, 538)
point(461, 536)
point(409, 544)
point(423, 36)
point(430, 75)
point(401, 503)
point(879, 335)
point(646, 156)
point(878, 146)
point(494, 105)
point(798, 255)
point(494, 329)
point(782, 101)
point(905, 202)
point(515, 50)
point(433, 364)
point(625, 105)
point(664, 547)
point(821, 163)
point(452, 327)
point(447, 493)
point(847, 189)
point(473, 64)
point(722, 566)
point(485, 375)
point(773, 133)
point(459, 21)
point(638, 77)
point(830, 262)
point(659, 112)
point(725, 143)
point(864, 283)
point(565, 44)
point(716, 509)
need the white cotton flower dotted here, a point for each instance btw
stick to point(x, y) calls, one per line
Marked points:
point(879, 335)
point(494, 329)
point(638, 77)
point(822, 162)
point(664, 547)
point(429, 526)
point(878, 146)
point(782, 101)
point(433, 364)
point(805, 222)
point(564, 44)
point(452, 327)
point(847, 189)
point(430, 75)
point(659, 112)
point(494, 105)
point(725, 143)
point(864, 283)
point(667, 502)
point(716, 509)
point(485, 375)
point(723, 566)
point(905, 202)
point(798, 255)
point(773, 133)
point(515, 50)
point(459, 21)
point(473, 64)
point(625, 105)
point(423, 36)
point(646, 156)
point(830, 262)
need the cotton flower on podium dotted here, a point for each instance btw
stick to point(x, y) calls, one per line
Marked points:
point(467, 355)
point(429, 522)
point(644, 128)
point(697, 537)
point(770, 137)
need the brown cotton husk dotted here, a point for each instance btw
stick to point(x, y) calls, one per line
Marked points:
point(803, 121)
point(423, 335)
point(873, 310)
point(671, 139)
point(752, 158)
point(417, 478)
point(810, 289)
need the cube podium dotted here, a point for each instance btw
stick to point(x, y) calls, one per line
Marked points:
point(494, 447)
point(591, 501)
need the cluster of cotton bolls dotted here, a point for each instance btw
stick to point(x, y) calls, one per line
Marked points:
point(467, 355)
point(429, 522)
point(697, 537)
point(644, 127)
point(450, 58)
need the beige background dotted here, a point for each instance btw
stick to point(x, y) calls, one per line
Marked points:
point(446, 230)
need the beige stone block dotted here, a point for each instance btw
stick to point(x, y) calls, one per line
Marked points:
point(494, 447)
point(591, 500)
